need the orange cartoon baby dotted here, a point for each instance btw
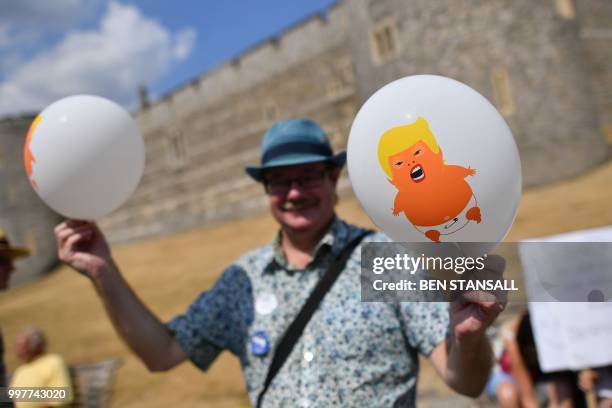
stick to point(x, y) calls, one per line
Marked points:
point(434, 196)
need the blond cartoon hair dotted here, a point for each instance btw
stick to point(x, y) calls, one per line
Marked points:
point(400, 138)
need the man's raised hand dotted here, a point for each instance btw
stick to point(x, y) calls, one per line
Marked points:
point(81, 245)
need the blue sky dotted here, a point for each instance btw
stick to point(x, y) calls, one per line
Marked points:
point(51, 49)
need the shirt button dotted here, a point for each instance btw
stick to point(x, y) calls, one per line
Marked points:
point(308, 356)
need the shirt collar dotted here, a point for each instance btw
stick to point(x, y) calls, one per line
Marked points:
point(334, 239)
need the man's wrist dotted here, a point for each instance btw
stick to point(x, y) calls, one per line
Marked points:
point(102, 274)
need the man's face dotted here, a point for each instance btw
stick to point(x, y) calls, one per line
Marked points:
point(302, 197)
point(6, 268)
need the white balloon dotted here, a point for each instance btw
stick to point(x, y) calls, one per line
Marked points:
point(435, 196)
point(84, 156)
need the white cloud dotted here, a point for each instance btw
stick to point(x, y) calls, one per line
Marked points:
point(128, 49)
point(184, 43)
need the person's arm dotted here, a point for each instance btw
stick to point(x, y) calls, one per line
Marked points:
point(465, 358)
point(83, 246)
point(518, 368)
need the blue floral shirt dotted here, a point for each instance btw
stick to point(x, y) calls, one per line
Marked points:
point(352, 353)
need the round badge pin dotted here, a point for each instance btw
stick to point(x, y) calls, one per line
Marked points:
point(265, 303)
point(260, 345)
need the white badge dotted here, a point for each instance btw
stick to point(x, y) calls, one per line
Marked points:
point(265, 303)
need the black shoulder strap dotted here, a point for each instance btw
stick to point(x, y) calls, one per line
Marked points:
point(295, 330)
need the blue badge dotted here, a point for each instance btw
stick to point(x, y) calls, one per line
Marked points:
point(260, 344)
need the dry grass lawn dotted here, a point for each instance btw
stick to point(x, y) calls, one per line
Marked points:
point(169, 272)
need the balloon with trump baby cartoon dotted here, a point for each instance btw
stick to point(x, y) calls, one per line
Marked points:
point(432, 161)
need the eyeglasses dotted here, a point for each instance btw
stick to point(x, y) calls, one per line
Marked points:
point(282, 186)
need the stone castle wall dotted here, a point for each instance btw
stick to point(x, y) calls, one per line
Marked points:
point(595, 32)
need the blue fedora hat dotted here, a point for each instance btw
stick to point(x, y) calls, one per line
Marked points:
point(291, 142)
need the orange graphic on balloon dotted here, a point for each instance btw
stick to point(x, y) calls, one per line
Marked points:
point(434, 196)
point(28, 157)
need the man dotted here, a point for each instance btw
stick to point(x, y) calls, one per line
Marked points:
point(39, 368)
point(8, 254)
point(350, 353)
